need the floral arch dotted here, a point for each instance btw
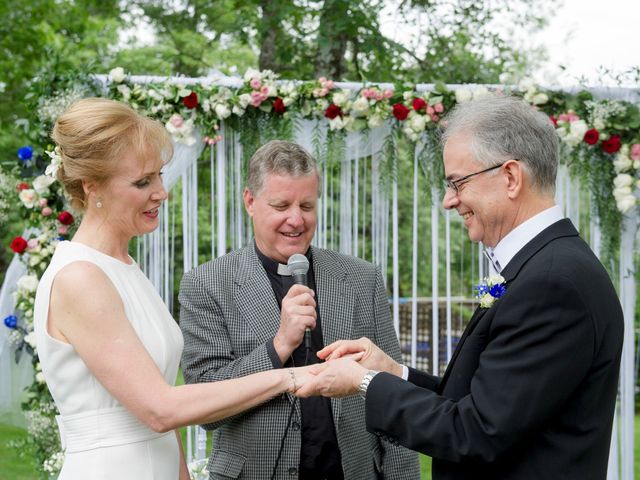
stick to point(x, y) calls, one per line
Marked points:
point(378, 149)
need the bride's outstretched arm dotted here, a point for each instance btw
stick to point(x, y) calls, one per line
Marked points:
point(94, 322)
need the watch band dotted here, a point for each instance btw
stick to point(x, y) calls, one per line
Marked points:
point(366, 380)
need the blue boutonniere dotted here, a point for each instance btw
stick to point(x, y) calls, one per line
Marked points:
point(491, 289)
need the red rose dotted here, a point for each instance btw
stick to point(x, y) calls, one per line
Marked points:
point(18, 245)
point(22, 186)
point(400, 111)
point(554, 120)
point(332, 111)
point(612, 145)
point(419, 104)
point(591, 136)
point(191, 100)
point(65, 218)
point(278, 106)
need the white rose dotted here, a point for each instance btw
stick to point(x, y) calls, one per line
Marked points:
point(626, 203)
point(272, 91)
point(408, 131)
point(540, 99)
point(526, 84)
point(636, 164)
point(184, 92)
point(622, 163)
point(576, 133)
point(598, 124)
point(125, 92)
point(286, 101)
point(245, 99)
point(621, 192)
point(418, 123)
point(361, 105)
point(480, 92)
point(463, 95)
point(341, 97)
point(251, 74)
point(40, 377)
point(28, 197)
point(237, 110)
point(41, 183)
point(623, 180)
point(336, 123)
point(30, 338)
point(28, 283)
point(495, 280)
point(486, 300)
point(117, 75)
point(375, 120)
point(222, 111)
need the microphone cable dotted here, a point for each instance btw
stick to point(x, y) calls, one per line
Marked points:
point(291, 410)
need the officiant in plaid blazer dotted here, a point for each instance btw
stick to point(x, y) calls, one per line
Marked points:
point(241, 313)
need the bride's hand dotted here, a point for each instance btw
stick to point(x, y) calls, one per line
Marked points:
point(371, 357)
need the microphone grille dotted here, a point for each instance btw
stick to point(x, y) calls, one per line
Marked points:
point(298, 264)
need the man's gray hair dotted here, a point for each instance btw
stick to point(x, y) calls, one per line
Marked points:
point(505, 127)
point(280, 158)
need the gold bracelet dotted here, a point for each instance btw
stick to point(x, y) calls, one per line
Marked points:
point(293, 380)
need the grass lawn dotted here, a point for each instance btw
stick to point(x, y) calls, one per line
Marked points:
point(13, 468)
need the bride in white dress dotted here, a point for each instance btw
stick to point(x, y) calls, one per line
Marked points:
point(108, 347)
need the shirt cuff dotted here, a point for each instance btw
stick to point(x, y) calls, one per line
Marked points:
point(405, 371)
point(273, 355)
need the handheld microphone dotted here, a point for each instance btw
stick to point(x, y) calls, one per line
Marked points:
point(298, 267)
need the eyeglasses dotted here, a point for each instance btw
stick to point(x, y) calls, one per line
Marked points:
point(455, 184)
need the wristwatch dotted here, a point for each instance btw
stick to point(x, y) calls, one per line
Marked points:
point(366, 380)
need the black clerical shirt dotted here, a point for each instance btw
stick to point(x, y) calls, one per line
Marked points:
point(319, 452)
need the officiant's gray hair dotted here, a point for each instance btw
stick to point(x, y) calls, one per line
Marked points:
point(506, 127)
point(280, 158)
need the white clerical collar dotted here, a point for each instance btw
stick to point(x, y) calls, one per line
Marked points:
point(517, 238)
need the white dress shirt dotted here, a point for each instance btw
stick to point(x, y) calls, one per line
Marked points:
point(517, 238)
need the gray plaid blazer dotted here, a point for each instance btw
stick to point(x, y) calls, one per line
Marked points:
point(229, 312)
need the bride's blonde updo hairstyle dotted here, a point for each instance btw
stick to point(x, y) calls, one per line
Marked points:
point(94, 133)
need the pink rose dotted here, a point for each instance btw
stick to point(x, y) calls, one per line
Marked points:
point(63, 229)
point(255, 83)
point(635, 151)
point(43, 202)
point(438, 107)
point(32, 243)
point(46, 211)
point(176, 120)
point(388, 93)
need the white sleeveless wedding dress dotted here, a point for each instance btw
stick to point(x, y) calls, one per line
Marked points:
point(102, 439)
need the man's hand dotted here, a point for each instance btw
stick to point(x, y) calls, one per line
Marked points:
point(372, 357)
point(338, 378)
point(298, 313)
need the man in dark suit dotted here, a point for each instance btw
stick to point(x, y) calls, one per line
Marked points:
point(241, 313)
point(531, 388)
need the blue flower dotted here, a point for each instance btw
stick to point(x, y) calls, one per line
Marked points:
point(11, 321)
point(25, 153)
point(490, 290)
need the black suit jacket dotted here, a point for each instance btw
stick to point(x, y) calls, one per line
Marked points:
point(530, 390)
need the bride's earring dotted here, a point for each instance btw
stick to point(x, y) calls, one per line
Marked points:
point(99, 203)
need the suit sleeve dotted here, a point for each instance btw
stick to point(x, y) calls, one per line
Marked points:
point(397, 462)
point(208, 355)
point(537, 351)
